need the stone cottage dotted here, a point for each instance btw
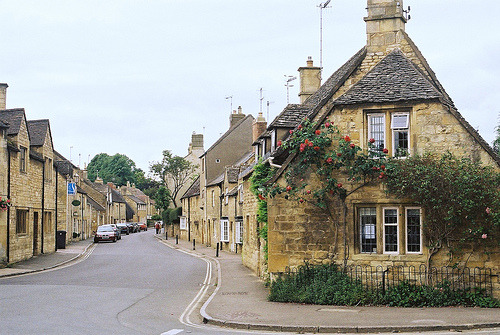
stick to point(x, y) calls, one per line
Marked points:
point(386, 92)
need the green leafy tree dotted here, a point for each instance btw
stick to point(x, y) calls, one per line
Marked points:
point(326, 169)
point(460, 199)
point(117, 169)
point(496, 143)
point(173, 172)
point(162, 198)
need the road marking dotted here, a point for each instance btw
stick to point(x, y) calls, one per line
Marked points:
point(173, 332)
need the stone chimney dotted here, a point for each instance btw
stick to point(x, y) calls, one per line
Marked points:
point(236, 117)
point(3, 96)
point(259, 126)
point(384, 24)
point(310, 80)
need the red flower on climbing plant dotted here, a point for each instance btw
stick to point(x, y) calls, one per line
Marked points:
point(385, 151)
point(317, 132)
point(372, 140)
point(347, 139)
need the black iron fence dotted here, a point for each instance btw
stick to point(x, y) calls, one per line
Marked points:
point(381, 278)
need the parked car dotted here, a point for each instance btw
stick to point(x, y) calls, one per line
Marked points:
point(124, 229)
point(116, 229)
point(142, 226)
point(105, 233)
point(132, 227)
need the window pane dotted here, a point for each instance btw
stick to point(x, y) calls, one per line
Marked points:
point(390, 230)
point(413, 230)
point(399, 121)
point(400, 143)
point(376, 131)
point(368, 224)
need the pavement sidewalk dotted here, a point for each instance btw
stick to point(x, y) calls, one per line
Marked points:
point(48, 261)
point(240, 301)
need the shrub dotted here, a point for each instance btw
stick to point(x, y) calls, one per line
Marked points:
point(328, 285)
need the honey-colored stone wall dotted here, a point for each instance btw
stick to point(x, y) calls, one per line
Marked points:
point(301, 232)
point(253, 255)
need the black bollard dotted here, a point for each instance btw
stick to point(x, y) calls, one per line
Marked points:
point(217, 250)
point(166, 233)
point(194, 244)
point(176, 239)
point(236, 251)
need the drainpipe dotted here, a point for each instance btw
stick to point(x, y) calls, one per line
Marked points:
point(43, 204)
point(8, 208)
point(55, 216)
point(189, 219)
point(270, 161)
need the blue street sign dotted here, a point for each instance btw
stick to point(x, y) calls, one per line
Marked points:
point(71, 188)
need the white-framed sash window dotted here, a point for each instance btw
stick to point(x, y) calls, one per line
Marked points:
point(413, 230)
point(391, 231)
point(224, 230)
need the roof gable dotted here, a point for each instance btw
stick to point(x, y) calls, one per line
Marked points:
point(227, 133)
point(14, 118)
point(395, 78)
point(38, 131)
point(193, 190)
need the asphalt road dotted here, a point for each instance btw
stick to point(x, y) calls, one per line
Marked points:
point(134, 286)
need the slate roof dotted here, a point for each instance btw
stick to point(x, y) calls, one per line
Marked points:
point(233, 191)
point(136, 199)
point(13, 117)
point(394, 79)
point(232, 175)
point(229, 131)
point(290, 117)
point(336, 80)
point(63, 165)
point(94, 204)
point(37, 130)
point(193, 190)
point(216, 181)
point(117, 197)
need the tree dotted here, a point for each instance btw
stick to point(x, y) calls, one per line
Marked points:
point(496, 143)
point(460, 199)
point(162, 198)
point(173, 172)
point(117, 169)
point(327, 167)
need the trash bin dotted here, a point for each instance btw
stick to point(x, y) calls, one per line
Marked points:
point(61, 239)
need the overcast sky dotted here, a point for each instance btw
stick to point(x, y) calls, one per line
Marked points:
point(138, 77)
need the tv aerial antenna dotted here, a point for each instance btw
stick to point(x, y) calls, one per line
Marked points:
point(288, 80)
point(321, 6)
point(231, 99)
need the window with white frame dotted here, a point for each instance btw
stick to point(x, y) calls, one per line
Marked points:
point(239, 231)
point(376, 130)
point(368, 226)
point(400, 134)
point(226, 197)
point(413, 230)
point(240, 191)
point(273, 140)
point(213, 198)
point(392, 223)
point(183, 223)
point(391, 231)
point(224, 230)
